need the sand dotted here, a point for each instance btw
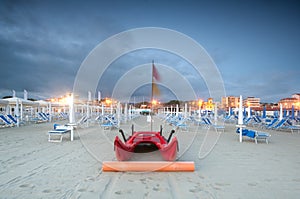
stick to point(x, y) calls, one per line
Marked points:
point(31, 167)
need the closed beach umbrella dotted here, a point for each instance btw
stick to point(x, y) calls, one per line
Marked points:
point(249, 111)
point(126, 112)
point(71, 110)
point(293, 113)
point(216, 114)
point(280, 112)
point(240, 118)
point(17, 113)
point(264, 112)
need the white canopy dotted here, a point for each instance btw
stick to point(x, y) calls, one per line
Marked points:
point(14, 100)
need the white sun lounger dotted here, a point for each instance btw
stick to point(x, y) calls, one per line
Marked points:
point(58, 133)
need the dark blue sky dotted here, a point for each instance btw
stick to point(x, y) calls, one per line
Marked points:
point(254, 44)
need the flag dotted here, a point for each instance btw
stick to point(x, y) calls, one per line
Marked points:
point(155, 78)
point(155, 73)
point(155, 89)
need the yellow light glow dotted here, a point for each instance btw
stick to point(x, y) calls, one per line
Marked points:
point(108, 101)
point(200, 102)
point(68, 99)
point(154, 102)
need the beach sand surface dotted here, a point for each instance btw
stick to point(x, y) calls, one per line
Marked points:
point(31, 167)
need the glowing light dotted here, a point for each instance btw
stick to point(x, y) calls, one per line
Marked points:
point(154, 102)
point(69, 99)
point(200, 102)
point(108, 101)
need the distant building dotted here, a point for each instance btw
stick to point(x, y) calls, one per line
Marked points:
point(209, 105)
point(251, 102)
point(288, 102)
point(296, 95)
point(230, 102)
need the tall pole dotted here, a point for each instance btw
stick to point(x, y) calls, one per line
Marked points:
point(152, 82)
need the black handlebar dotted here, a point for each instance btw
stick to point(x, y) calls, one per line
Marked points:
point(122, 133)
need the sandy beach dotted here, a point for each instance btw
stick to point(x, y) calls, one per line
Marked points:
point(31, 167)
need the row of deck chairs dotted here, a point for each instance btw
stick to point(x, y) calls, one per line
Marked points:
point(284, 124)
point(272, 124)
point(178, 121)
point(206, 123)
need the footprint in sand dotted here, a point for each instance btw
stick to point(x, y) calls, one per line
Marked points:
point(26, 186)
point(47, 191)
point(252, 184)
point(123, 192)
point(81, 190)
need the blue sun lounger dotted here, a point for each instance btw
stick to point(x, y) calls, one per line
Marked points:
point(6, 123)
point(255, 135)
point(217, 127)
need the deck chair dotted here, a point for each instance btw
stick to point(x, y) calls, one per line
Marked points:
point(58, 132)
point(42, 117)
point(6, 123)
point(255, 135)
point(180, 123)
point(12, 118)
point(217, 127)
point(110, 123)
point(270, 125)
point(279, 124)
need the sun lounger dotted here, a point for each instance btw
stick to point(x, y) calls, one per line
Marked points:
point(110, 123)
point(6, 123)
point(255, 135)
point(217, 127)
point(271, 124)
point(58, 132)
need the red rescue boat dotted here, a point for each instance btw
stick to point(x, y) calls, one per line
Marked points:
point(146, 141)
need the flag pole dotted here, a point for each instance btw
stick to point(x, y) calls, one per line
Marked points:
point(151, 124)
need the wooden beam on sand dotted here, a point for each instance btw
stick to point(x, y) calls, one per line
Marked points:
point(147, 166)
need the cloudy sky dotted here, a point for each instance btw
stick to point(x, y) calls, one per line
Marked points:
point(254, 44)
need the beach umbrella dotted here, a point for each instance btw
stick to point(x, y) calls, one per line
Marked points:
point(264, 112)
point(126, 112)
point(240, 118)
point(99, 96)
point(130, 111)
point(284, 113)
point(17, 114)
point(280, 113)
point(177, 110)
point(119, 112)
point(50, 112)
point(293, 113)
point(71, 110)
point(216, 114)
point(249, 111)
point(185, 110)
point(231, 111)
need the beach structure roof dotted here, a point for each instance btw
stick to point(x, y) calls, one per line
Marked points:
point(14, 100)
point(3, 102)
point(42, 103)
